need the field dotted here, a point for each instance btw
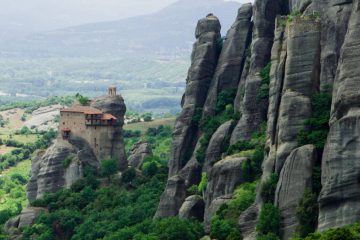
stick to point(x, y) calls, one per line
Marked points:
point(12, 190)
point(143, 126)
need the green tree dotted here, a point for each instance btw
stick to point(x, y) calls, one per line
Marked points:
point(108, 168)
point(269, 220)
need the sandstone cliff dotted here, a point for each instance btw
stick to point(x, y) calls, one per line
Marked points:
point(278, 66)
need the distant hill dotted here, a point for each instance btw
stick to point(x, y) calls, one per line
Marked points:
point(168, 33)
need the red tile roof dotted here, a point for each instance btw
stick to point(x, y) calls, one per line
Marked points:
point(82, 109)
point(107, 116)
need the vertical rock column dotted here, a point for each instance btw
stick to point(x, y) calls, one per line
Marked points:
point(291, 87)
point(253, 111)
point(340, 197)
point(232, 58)
point(203, 64)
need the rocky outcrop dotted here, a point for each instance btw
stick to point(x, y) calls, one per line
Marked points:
point(232, 58)
point(138, 153)
point(294, 78)
point(32, 186)
point(339, 197)
point(248, 221)
point(193, 208)
point(295, 178)
point(172, 198)
point(305, 41)
point(217, 145)
point(25, 219)
point(212, 209)
point(203, 64)
point(113, 146)
point(224, 177)
point(254, 110)
point(204, 59)
point(51, 172)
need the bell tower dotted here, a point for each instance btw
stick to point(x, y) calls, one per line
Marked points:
point(112, 91)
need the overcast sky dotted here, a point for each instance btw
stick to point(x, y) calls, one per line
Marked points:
point(40, 15)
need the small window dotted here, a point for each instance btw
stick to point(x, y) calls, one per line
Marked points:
point(63, 123)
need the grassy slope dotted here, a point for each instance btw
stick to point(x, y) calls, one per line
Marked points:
point(12, 193)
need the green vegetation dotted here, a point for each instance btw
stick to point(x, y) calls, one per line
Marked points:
point(193, 190)
point(82, 99)
point(265, 82)
point(317, 126)
point(307, 213)
point(12, 190)
point(108, 168)
point(349, 232)
point(268, 188)
point(67, 161)
point(31, 106)
point(269, 222)
point(254, 150)
point(128, 175)
point(147, 117)
point(119, 210)
point(203, 183)
point(159, 137)
point(208, 125)
point(2, 121)
point(224, 223)
point(24, 150)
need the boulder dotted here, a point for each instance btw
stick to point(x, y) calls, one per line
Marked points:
point(138, 153)
point(28, 215)
point(223, 179)
point(193, 208)
point(295, 178)
point(217, 145)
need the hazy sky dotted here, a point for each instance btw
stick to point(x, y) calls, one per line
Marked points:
point(40, 15)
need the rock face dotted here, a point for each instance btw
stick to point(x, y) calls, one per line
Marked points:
point(339, 198)
point(305, 41)
point(217, 145)
point(293, 82)
point(224, 177)
point(172, 198)
point(253, 112)
point(232, 58)
point(193, 207)
point(51, 173)
point(138, 153)
point(25, 219)
point(295, 178)
point(115, 149)
point(185, 136)
point(248, 221)
point(203, 64)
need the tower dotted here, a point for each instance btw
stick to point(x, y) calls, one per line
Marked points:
point(112, 91)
